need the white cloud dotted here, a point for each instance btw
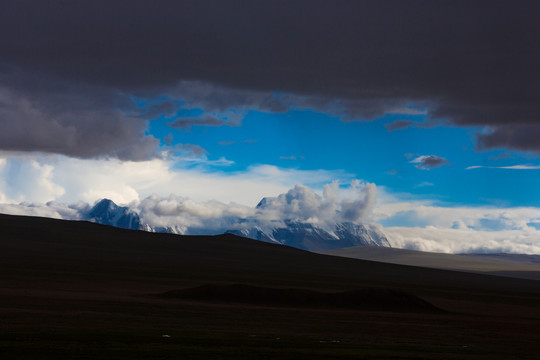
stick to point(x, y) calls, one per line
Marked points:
point(28, 180)
point(300, 203)
point(51, 209)
point(211, 216)
point(41, 178)
point(445, 240)
point(423, 225)
point(413, 214)
point(303, 204)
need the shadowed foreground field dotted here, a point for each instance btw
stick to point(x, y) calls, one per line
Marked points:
point(79, 290)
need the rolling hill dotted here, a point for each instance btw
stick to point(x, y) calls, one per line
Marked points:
point(82, 290)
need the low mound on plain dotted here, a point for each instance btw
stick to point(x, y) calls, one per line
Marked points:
point(373, 299)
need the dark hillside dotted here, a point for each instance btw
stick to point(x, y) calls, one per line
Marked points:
point(81, 290)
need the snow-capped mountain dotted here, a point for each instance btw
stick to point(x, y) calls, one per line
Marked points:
point(177, 229)
point(308, 237)
point(292, 233)
point(106, 212)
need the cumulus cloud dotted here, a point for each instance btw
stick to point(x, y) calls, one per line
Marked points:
point(303, 204)
point(426, 162)
point(206, 216)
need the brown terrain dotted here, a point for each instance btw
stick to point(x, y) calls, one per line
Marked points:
point(78, 290)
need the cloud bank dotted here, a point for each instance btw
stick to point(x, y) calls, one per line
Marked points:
point(44, 178)
point(455, 241)
point(299, 204)
point(421, 225)
point(410, 225)
point(354, 59)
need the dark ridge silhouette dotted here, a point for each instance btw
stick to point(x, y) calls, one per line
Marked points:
point(373, 299)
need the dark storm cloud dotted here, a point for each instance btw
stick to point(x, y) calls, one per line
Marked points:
point(426, 162)
point(41, 114)
point(520, 137)
point(467, 62)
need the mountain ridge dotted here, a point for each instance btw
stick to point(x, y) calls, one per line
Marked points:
point(295, 233)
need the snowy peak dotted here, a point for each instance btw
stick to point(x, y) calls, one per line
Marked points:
point(366, 234)
point(106, 212)
point(309, 237)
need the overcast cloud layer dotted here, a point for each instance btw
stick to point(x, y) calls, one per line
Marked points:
point(471, 63)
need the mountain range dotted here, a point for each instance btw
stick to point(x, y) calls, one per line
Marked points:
point(293, 233)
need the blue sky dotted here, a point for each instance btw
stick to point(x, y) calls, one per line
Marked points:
point(366, 149)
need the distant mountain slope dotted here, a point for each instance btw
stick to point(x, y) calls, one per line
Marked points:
point(514, 265)
point(309, 237)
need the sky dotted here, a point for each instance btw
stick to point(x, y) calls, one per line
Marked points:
point(422, 116)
